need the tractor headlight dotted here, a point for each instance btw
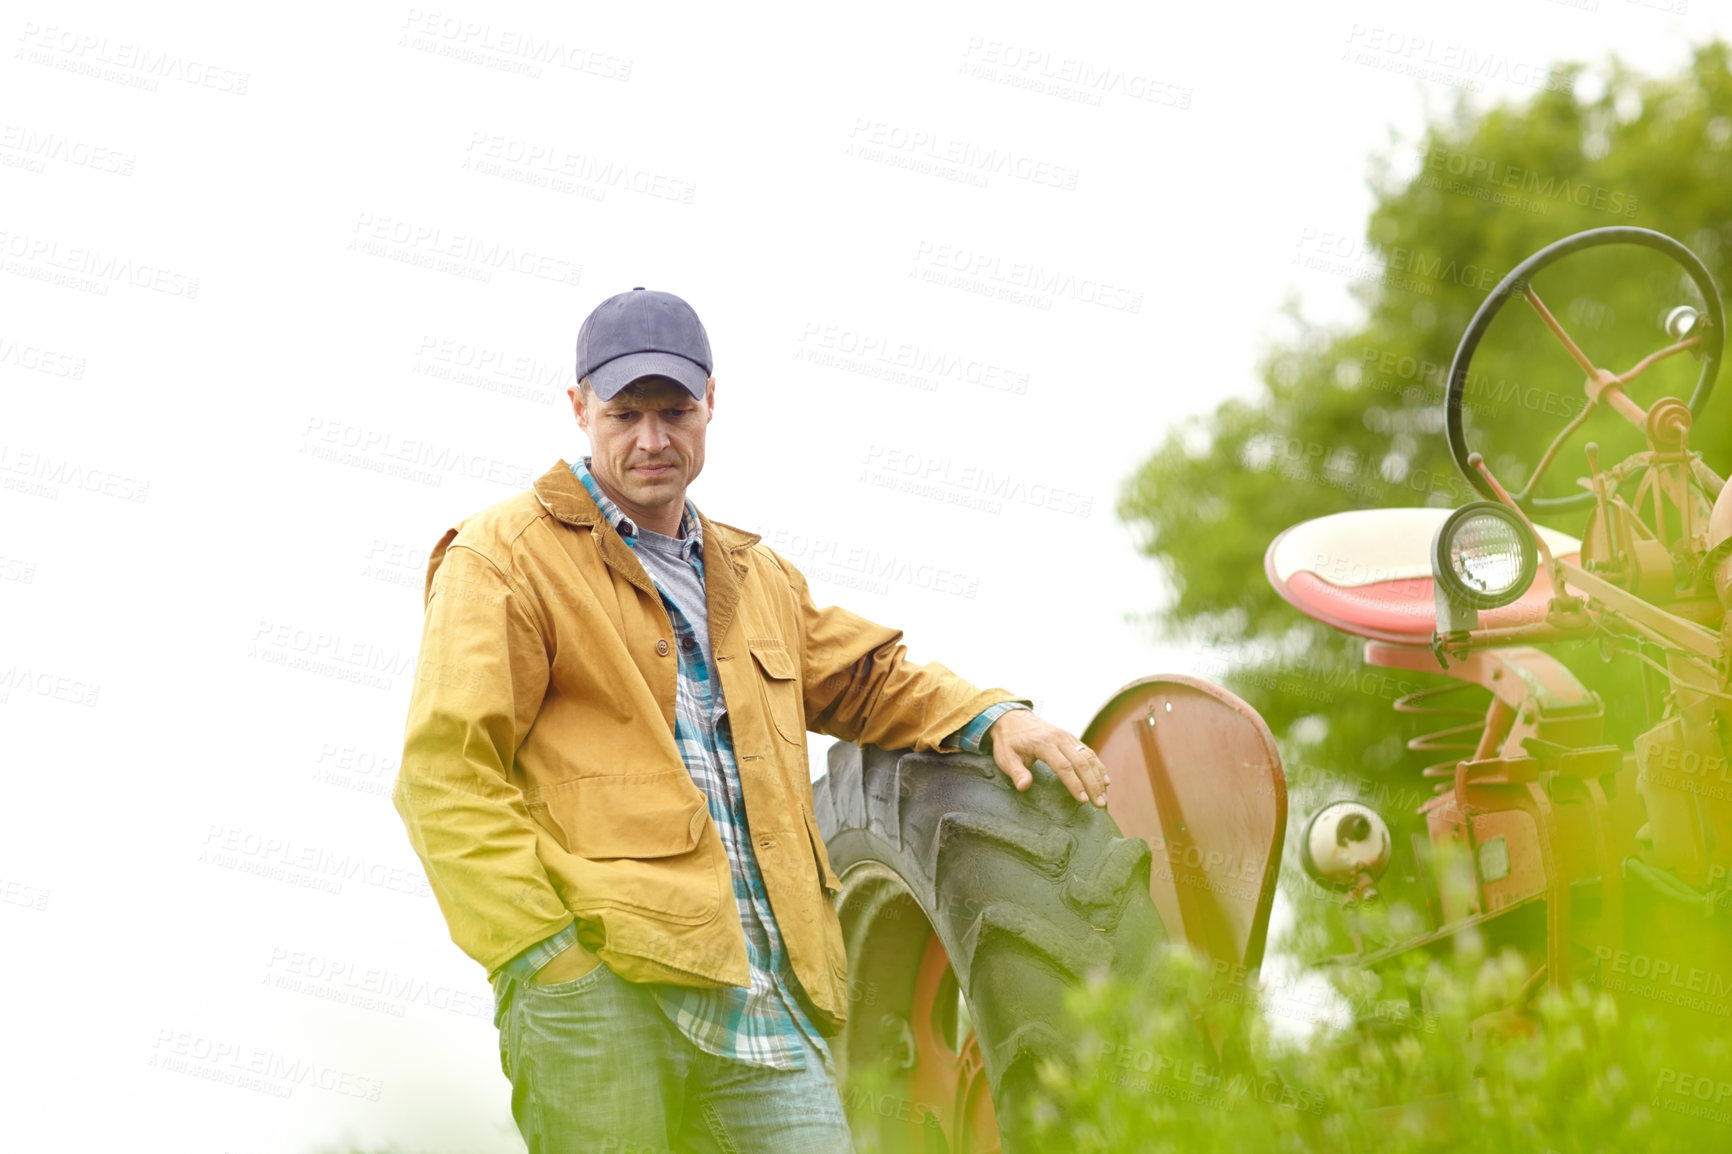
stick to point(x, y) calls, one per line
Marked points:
point(1345, 846)
point(1484, 556)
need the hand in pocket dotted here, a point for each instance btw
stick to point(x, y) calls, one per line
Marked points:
point(572, 962)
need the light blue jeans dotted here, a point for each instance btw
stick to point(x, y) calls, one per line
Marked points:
point(596, 1067)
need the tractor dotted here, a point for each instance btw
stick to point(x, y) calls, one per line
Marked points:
point(969, 909)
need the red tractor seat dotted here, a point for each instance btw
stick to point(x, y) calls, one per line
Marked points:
point(1368, 572)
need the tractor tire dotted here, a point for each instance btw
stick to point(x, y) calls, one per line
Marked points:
point(953, 883)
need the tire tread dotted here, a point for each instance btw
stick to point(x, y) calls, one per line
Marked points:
point(1029, 892)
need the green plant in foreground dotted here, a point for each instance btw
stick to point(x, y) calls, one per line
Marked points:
point(1453, 1070)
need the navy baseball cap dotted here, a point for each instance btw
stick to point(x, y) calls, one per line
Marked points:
point(643, 333)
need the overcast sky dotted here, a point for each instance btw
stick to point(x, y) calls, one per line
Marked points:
point(285, 298)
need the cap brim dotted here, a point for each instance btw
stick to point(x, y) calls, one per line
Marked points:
point(616, 374)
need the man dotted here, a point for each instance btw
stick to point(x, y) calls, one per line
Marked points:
point(605, 775)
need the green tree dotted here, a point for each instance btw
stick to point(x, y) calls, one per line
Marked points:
point(1353, 418)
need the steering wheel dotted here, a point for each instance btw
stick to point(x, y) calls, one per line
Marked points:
point(1602, 385)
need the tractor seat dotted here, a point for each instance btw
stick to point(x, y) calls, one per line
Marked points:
point(1368, 573)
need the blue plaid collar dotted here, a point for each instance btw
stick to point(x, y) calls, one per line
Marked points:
point(691, 529)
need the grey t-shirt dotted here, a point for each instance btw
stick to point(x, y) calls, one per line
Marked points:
point(663, 557)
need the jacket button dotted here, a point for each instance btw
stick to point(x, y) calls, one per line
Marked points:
point(662, 648)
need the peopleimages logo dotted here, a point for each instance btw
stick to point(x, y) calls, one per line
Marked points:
point(36, 359)
point(1661, 972)
point(36, 149)
point(1697, 1086)
point(43, 683)
point(552, 160)
point(384, 451)
point(311, 866)
point(929, 475)
point(231, 1062)
point(505, 48)
point(1459, 65)
point(121, 61)
point(90, 269)
point(1512, 178)
point(465, 254)
point(878, 139)
point(988, 273)
point(840, 346)
point(829, 559)
point(1068, 77)
point(46, 473)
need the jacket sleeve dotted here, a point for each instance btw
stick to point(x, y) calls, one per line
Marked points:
point(479, 683)
point(861, 687)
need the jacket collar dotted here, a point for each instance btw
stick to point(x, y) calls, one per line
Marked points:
point(563, 495)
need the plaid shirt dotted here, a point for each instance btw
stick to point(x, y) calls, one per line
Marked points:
point(760, 1024)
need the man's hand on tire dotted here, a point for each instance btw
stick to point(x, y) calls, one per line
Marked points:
point(572, 962)
point(1019, 737)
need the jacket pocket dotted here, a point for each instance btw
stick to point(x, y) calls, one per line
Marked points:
point(637, 815)
point(781, 687)
point(636, 842)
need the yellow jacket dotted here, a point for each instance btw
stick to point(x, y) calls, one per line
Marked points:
point(540, 779)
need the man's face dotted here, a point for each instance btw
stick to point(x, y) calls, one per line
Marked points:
point(646, 445)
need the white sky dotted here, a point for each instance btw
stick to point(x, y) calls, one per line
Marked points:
point(178, 788)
